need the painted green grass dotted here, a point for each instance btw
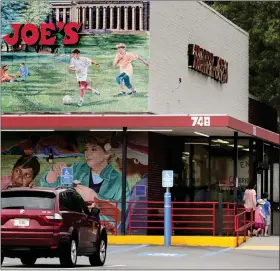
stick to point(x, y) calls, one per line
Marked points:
point(50, 79)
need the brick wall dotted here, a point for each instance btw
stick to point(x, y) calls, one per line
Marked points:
point(174, 25)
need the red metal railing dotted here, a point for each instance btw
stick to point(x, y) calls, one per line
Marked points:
point(195, 216)
point(186, 217)
point(241, 224)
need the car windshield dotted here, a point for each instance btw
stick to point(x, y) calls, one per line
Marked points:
point(27, 200)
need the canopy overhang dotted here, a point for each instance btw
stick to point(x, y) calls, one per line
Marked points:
point(180, 125)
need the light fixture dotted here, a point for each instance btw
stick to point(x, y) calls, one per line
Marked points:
point(245, 150)
point(220, 141)
point(239, 146)
point(15, 130)
point(201, 134)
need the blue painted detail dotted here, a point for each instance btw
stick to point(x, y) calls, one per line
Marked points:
point(126, 249)
point(66, 175)
point(140, 190)
point(167, 219)
point(213, 253)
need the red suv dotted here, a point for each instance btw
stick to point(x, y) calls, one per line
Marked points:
point(47, 222)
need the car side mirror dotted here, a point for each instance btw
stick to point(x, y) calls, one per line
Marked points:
point(95, 211)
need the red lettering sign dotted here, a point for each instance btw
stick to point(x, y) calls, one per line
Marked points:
point(44, 35)
point(206, 63)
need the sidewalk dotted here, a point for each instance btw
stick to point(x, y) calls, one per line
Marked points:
point(261, 243)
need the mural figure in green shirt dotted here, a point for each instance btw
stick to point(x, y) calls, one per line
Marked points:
point(98, 181)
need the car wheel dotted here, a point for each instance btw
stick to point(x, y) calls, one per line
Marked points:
point(28, 261)
point(99, 257)
point(69, 254)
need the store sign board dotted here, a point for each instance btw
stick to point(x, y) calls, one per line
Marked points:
point(207, 63)
point(31, 34)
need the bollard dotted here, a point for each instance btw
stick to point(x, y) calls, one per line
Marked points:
point(167, 218)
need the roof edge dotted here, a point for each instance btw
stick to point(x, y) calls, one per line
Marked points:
point(224, 18)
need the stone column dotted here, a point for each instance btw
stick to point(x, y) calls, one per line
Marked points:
point(111, 17)
point(133, 19)
point(125, 18)
point(104, 17)
point(84, 17)
point(119, 19)
point(57, 15)
point(64, 15)
point(90, 18)
point(78, 15)
point(141, 18)
point(97, 17)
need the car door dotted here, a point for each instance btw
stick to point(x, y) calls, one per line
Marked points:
point(76, 215)
point(82, 213)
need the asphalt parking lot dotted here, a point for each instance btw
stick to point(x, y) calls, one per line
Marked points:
point(142, 257)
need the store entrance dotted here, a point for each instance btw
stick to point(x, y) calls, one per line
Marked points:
point(207, 168)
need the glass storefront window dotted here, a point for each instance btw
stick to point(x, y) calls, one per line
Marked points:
point(196, 162)
point(222, 152)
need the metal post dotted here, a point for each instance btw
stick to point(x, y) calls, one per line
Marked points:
point(124, 156)
point(220, 214)
point(235, 166)
point(167, 218)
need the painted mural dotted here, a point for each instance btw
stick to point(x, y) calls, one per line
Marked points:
point(36, 159)
point(107, 70)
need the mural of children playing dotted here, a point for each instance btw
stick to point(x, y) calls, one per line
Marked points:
point(5, 77)
point(80, 66)
point(124, 60)
point(23, 71)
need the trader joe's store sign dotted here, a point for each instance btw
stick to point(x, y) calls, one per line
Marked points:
point(44, 34)
point(206, 63)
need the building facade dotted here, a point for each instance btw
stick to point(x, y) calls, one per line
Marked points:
point(104, 16)
point(173, 28)
point(190, 112)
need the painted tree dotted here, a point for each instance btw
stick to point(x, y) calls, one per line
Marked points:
point(262, 21)
point(11, 12)
point(36, 11)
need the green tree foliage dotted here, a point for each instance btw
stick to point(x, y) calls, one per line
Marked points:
point(11, 12)
point(262, 21)
point(37, 11)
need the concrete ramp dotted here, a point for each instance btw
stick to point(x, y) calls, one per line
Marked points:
point(261, 243)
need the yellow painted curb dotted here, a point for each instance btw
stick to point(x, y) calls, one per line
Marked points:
point(206, 241)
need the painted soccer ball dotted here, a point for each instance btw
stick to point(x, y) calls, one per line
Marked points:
point(67, 99)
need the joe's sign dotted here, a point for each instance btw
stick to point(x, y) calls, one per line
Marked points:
point(31, 34)
point(206, 63)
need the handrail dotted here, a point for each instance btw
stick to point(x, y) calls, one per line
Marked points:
point(244, 227)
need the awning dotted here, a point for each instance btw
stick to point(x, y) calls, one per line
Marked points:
point(212, 125)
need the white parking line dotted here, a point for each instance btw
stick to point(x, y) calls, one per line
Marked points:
point(116, 265)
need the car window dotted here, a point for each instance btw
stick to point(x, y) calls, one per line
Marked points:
point(81, 202)
point(29, 200)
point(67, 202)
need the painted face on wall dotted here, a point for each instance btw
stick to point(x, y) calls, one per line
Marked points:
point(95, 155)
point(121, 51)
point(76, 56)
point(22, 177)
